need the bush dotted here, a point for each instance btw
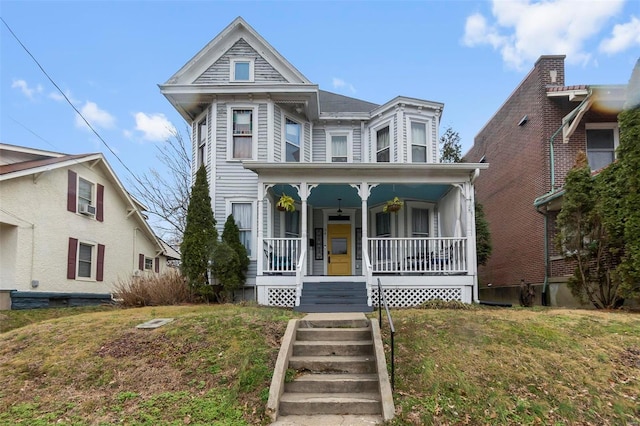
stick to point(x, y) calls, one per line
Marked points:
point(226, 268)
point(168, 289)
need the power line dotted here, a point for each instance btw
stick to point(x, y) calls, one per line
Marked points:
point(70, 103)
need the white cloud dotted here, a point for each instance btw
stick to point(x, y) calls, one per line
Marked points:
point(56, 96)
point(522, 30)
point(154, 127)
point(339, 83)
point(622, 37)
point(95, 116)
point(29, 92)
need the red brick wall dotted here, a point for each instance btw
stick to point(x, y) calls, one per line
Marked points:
point(518, 173)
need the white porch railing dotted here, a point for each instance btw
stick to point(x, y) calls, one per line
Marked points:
point(418, 255)
point(281, 255)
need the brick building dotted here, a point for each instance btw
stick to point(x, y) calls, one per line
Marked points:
point(531, 143)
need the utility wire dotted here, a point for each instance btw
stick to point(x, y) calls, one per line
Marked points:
point(69, 102)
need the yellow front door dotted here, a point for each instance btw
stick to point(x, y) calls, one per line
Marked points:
point(339, 257)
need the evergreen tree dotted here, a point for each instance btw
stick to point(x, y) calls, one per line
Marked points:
point(626, 223)
point(584, 239)
point(200, 234)
point(483, 236)
point(226, 268)
point(451, 150)
point(231, 236)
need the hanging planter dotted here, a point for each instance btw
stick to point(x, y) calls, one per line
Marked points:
point(286, 204)
point(393, 206)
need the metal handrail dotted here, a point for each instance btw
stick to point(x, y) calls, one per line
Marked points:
point(381, 297)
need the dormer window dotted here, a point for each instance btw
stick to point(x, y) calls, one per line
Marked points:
point(418, 142)
point(382, 145)
point(241, 70)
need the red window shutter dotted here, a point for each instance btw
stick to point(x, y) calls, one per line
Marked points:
point(71, 258)
point(100, 266)
point(157, 263)
point(100, 204)
point(141, 262)
point(71, 191)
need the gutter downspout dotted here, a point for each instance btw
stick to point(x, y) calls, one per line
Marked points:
point(538, 202)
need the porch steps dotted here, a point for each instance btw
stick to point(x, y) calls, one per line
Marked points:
point(334, 296)
point(336, 370)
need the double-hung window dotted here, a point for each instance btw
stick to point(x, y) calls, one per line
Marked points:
point(292, 224)
point(383, 224)
point(383, 148)
point(85, 195)
point(418, 142)
point(202, 142)
point(242, 127)
point(242, 215)
point(85, 260)
point(292, 140)
point(419, 222)
point(602, 141)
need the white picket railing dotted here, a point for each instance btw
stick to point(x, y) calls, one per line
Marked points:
point(418, 255)
point(281, 255)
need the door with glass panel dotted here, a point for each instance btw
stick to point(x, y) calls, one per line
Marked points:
point(339, 249)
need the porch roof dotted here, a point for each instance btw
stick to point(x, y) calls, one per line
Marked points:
point(368, 172)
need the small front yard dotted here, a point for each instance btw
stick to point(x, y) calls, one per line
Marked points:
point(213, 365)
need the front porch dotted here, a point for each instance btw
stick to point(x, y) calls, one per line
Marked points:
point(340, 233)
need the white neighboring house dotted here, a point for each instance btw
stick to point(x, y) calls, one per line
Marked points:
point(262, 129)
point(68, 230)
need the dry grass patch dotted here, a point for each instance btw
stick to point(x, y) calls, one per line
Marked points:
point(516, 366)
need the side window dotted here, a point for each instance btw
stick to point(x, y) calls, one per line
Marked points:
point(242, 214)
point(85, 197)
point(292, 224)
point(339, 149)
point(292, 140)
point(383, 149)
point(202, 142)
point(85, 260)
point(419, 222)
point(418, 142)
point(383, 224)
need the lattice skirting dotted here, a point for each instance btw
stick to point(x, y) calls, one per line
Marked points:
point(405, 297)
point(283, 297)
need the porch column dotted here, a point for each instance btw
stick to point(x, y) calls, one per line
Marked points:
point(259, 256)
point(472, 262)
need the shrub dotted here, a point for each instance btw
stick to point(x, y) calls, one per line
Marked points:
point(226, 269)
point(168, 289)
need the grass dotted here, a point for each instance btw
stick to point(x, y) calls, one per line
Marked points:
point(213, 365)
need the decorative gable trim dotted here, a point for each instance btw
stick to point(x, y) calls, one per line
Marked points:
point(224, 41)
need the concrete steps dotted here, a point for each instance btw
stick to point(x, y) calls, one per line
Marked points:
point(336, 371)
point(334, 296)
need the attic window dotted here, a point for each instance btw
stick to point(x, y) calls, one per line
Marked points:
point(241, 70)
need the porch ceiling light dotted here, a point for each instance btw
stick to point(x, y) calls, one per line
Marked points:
point(339, 208)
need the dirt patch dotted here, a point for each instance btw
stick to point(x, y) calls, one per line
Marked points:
point(630, 357)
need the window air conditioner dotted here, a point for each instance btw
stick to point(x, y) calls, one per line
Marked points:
point(86, 209)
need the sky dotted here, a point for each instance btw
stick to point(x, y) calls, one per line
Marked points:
point(108, 57)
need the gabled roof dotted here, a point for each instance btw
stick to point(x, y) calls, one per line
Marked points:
point(41, 166)
point(223, 42)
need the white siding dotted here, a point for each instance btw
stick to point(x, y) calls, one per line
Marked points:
point(319, 142)
point(219, 71)
point(277, 134)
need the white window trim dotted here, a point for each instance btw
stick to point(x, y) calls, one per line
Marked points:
point(147, 258)
point(254, 220)
point(203, 117)
point(254, 134)
point(393, 225)
point(93, 202)
point(232, 70)
point(339, 132)
point(374, 140)
point(428, 122)
point(410, 205)
point(283, 132)
point(94, 261)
